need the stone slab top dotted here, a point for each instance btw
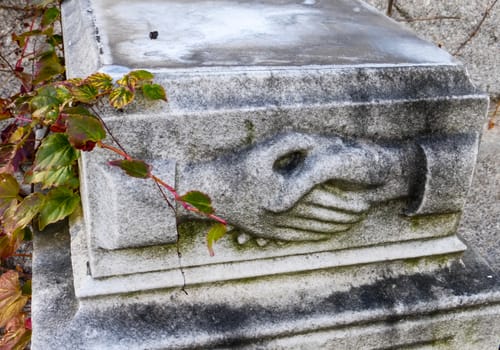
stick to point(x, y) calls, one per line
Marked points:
point(223, 33)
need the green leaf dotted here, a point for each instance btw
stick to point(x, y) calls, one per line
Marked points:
point(216, 232)
point(85, 93)
point(50, 16)
point(55, 152)
point(100, 81)
point(83, 129)
point(26, 289)
point(55, 40)
point(63, 176)
point(23, 213)
point(26, 234)
point(154, 92)
point(120, 97)
point(133, 167)
point(9, 190)
point(48, 66)
point(199, 200)
point(59, 203)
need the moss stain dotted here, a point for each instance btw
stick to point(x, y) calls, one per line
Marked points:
point(250, 128)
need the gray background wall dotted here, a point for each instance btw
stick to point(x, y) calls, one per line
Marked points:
point(450, 23)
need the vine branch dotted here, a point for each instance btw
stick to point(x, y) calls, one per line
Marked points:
point(476, 29)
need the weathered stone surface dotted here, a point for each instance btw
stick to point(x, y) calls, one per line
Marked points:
point(459, 27)
point(375, 306)
point(341, 159)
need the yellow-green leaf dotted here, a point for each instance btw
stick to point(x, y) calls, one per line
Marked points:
point(101, 81)
point(63, 176)
point(21, 215)
point(55, 152)
point(85, 93)
point(9, 191)
point(120, 97)
point(216, 232)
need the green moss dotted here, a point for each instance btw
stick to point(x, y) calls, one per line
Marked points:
point(250, 132)
point(189, 231)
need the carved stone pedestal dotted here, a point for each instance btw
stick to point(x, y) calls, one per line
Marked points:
point(338, 146)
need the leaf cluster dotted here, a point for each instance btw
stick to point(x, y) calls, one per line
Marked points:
point(46, 126)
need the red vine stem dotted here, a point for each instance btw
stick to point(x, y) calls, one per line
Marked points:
point(114, 149)
point(159, 181)
point(19, 62)
point(183, 203)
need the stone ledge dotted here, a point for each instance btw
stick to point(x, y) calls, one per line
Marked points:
point(341, 303)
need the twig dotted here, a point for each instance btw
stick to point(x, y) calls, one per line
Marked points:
point(476, 30)
point(389, 7)
point(178, 247)
point(19, 62)
point(402, 12)
point(436, 18)
point(15, 8)
point(11, 67)
point(492, 121)
point(115, 140)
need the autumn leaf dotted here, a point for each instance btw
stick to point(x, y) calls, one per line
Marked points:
point(83, 128)
point(48, 67)
point(11, 299)
point(17, 336)
point(21, 215)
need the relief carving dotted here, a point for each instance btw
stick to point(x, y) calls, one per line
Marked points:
point(303, 187)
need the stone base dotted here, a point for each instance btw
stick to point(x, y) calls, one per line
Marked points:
point(398, 305)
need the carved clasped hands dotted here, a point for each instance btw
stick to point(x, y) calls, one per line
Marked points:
point(298, 187)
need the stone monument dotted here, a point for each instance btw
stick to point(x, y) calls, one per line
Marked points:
point(338, 146)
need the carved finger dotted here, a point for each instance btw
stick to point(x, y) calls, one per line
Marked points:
point(315, 212)
point(340, 200)
point(293, 234)
point(310, 225)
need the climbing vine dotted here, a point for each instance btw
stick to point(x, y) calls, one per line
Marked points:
point(45, 127)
